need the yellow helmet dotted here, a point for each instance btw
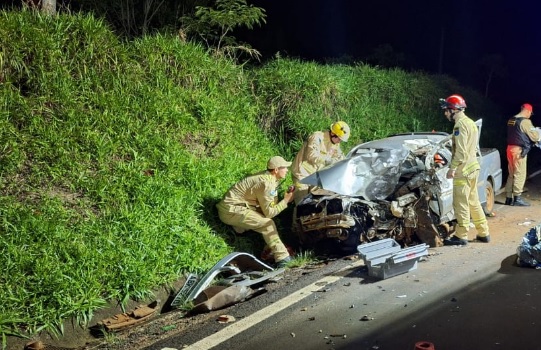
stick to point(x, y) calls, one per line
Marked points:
point(341, 129)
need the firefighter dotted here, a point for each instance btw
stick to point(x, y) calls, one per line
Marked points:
point(321, 149)
point(521, 134)
point(251, 204)
point(464, 170)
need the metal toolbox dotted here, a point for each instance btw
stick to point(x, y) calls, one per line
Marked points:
point(385, 258)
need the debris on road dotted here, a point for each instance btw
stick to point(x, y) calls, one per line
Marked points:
point(385, 258)
point(529, 250)
point(226, 319)
point(424, 345)
point(525, 223)
point(231, 279)
point(34, 345)
point(339, 336)
point(139, 315)
point(218, 297)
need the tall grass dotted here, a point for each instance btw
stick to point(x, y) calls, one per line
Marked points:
point(115, 153)
point(299, 97)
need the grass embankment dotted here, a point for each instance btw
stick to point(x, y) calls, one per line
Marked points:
point(114, 154)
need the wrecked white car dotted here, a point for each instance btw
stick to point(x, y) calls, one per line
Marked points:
point(394, 187)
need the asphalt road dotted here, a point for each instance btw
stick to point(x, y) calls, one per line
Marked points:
point(467, 298)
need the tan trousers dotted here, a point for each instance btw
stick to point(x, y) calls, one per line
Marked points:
point(517, 172)
point(243, 219)
point(467, 205)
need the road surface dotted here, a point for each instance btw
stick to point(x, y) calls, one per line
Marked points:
point(467, 298)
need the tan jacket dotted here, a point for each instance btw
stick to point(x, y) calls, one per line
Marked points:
point(317, 152)
point(257, 192)
point(527, 127)
point(465, 139)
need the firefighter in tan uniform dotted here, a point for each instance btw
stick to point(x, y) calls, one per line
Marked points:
point(251, 204)
point(321, 149)
point(464, 170)
point(521, 134)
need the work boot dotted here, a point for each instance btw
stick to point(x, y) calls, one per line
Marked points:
point(283, 263)
point(519, 202)
point(508, 201)
point(455, 241)
point(484, 239)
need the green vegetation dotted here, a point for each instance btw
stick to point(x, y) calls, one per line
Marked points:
point(214, 26)
point(114, 154)
point(303, 258)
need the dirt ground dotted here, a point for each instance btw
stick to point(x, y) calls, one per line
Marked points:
point(169, 322)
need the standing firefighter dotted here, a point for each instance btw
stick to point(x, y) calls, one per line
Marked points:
point(464, 170)
point(521, 134)
point(321, 149)
point(252, 202)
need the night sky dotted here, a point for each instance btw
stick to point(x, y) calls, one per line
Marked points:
point(451, 37)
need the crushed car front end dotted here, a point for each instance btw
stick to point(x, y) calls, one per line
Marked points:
point(390, 188)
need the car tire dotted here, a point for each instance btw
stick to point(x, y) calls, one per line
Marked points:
point(488, 206)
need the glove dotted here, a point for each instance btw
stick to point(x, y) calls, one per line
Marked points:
point(525, 151)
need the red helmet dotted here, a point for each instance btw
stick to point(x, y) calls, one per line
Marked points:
point(453, 102)
point(527, 107)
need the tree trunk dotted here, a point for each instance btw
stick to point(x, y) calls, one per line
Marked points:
point(48, 6)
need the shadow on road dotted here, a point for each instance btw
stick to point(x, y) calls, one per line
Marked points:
point(499, 312)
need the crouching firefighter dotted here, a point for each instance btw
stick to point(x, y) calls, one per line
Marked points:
point(251, 204)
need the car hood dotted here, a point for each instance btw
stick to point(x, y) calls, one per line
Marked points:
point(373, 171)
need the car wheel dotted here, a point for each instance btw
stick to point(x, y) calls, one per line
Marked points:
point(488, 206)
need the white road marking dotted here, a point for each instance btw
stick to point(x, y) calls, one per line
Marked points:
point(261, 315)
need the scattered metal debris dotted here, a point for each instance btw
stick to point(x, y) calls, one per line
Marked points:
point(238, 270)
point(385, 258)
point(218, 297)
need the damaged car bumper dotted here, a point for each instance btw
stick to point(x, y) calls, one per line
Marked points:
point(390, 188)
